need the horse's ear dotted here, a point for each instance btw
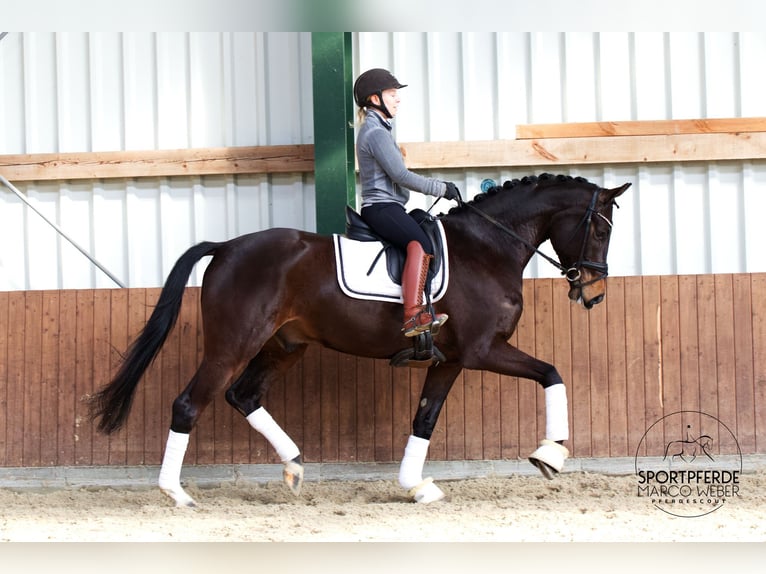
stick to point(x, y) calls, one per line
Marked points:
point(614, 193)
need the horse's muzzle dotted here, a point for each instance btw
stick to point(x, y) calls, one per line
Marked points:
point(588, 291)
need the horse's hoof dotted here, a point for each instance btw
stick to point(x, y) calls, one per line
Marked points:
point(549, 458)
point(426, 492)
point(180, 497)
point(293, 475)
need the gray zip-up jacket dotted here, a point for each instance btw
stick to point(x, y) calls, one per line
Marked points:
point(383, 175)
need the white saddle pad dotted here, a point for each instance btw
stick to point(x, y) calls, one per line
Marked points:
point(354, 258)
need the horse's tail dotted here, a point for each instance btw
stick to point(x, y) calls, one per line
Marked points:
point(112, 403)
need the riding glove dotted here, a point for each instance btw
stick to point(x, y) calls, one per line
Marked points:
point(452, 191)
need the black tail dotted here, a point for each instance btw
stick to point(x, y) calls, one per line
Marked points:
point(112, 403)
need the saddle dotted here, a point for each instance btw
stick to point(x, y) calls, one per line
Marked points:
point(423, 352)
point(358, 230)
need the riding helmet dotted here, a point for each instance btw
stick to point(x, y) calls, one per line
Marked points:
point(374, 81)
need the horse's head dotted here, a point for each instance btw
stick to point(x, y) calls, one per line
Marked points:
point(580, 236)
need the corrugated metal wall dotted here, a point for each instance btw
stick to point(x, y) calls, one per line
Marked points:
point(94, 92)
point(72, 92)
point(676, 218)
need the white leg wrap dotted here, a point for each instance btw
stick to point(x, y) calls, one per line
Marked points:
point(411, 469)
point(556, 414)
point(262, 421)
point(170, 472)
point(411, 472)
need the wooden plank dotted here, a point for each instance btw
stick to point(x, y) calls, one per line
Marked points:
point(708, 352)
point(16, 362)
point(5, 329)
point(529, 434)
point(688, 342)
point(727, 373)
point(759, 359)
point(652, 350)
point(616, 369)
point(32, 395)
point(490, 416)
point(383, 411)
point(580, 386)
point(138, 312)
point(474, 425)
point(347, 413)
point(543, 349)
point(402, 410)
point(744, 379)
point(312, 397)
point(83, 384)
point(329, 405)
point(365, 409)
point(670, 356)
point(159, 163)
point(118, 338)
point(448, 442)
point(50, 360)
point(634, 367)
point(641, 128)
point(562, 339)
point(102, 322)
point(599, 381)
point(67, 433)
point(170, 374)
point(291, 387)
point(677, 141)
point(154, 423)
point(586, 151)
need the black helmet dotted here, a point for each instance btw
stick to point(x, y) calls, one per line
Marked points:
point(374, 81)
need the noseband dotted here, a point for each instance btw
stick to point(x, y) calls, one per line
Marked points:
point(573, 274)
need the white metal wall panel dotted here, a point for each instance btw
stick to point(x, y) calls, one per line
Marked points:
point(132, 91)
point(676, 218)
point(74, 92)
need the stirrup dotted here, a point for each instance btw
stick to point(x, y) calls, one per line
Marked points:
point(412, 328)
point(437, 323)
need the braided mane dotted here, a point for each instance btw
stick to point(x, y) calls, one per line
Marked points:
point(509, 185)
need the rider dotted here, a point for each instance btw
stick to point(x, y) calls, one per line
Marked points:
point(385, 183)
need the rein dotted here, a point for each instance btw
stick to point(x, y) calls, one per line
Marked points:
point(572, 273)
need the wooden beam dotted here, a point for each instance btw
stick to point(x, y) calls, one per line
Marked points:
point(158, 163)
point(589, 150)
point(641, 128)
point(697, 147)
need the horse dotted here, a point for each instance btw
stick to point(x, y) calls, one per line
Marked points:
point(267, 295)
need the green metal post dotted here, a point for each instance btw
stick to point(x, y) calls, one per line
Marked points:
point(335, 178)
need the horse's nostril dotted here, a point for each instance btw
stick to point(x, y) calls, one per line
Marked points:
point(595, 301)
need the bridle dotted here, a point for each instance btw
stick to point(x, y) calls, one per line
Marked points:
point(573, 274)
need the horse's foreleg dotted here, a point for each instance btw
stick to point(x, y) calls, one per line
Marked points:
point(435, 390)
point(550, 455)
point(507, 360)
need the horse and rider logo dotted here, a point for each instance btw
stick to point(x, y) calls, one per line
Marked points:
point(690, 476)
point(689, 448)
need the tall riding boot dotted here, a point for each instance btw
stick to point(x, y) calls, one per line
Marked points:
point(417, 317)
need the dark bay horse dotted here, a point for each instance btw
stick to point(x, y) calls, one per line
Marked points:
point(265, 296)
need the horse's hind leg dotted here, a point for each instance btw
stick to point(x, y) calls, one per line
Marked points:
point(245, 396)
point(187, 408)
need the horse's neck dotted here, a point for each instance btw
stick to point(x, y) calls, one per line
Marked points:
point(529, 223)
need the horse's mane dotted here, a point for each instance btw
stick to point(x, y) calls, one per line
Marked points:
point(539, 181)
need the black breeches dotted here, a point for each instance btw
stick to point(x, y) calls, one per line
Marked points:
point(395, 225)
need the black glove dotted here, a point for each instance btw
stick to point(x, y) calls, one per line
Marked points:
point(452, 192)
